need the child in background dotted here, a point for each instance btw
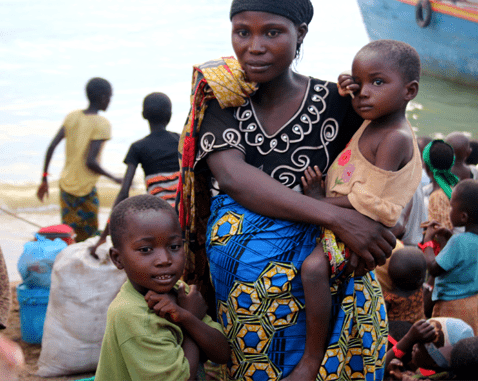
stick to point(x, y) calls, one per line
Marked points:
point(85, 132)
point(138, 344)
point(439, 158)
point(430, 344)
point(461, 145)
point(464, 359)
point(407, 270)
point(377, 173)
point(157, 153)
point(455, 268)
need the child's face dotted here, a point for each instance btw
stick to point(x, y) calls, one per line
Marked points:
point(105, 101)
point(457, 216)
point(151, 251)
point(382, 88)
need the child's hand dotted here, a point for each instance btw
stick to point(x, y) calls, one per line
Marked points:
point(346, 84)
point(193, 301)
point(312, 183)
point(165, 306)
point(434, 230)
point(421, 332)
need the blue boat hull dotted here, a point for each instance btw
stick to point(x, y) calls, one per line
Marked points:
point(448, 46)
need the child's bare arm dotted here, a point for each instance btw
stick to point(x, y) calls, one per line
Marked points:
point(43, 188)
point(209, 340)
point(92, 161)
point(393, 151)
point(191, 352)
point(420, 332)
point(314, 187)
point(432, 230)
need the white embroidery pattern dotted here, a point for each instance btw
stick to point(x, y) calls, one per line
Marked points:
point(306, 119)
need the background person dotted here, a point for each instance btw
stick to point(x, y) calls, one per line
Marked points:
point(85, 132)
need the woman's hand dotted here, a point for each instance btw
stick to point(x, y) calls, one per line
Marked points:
point(264, 195)
point(370, 240)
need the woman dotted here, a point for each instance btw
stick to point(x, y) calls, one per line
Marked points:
point(253, 145)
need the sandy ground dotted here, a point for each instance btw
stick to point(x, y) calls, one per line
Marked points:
point(21, 216)
point(30, 351)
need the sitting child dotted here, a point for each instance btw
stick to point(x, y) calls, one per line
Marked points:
point(376, 174)
point(464, 359)
point(138, 344)
point(429, 344)
point(455, 268)
point(407, 269)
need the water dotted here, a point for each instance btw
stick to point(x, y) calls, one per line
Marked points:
point(50, 48)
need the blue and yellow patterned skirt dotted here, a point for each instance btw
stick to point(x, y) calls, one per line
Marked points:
point(255, 266)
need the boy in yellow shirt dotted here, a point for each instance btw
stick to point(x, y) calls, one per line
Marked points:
point(85, 132)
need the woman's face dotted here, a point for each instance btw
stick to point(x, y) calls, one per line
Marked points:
point(265, 44)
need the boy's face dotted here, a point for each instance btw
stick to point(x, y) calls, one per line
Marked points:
point(457, 215)
point(383, 90)
point(105, 100)
point(151, 251)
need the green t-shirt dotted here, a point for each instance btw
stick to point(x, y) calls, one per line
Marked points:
point(139, 345)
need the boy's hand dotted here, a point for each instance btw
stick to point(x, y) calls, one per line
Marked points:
point(346, 84)
point(193, 301)
point(43, 190)
point(312, 183)
point(164, 305)
point(421, 332)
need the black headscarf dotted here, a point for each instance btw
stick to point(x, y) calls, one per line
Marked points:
point(299, 11)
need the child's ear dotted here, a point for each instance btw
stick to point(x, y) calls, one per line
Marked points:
point(412, 90)
point(464, 218)
point(115, 258)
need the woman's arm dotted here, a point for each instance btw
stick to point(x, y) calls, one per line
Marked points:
point(262, 194)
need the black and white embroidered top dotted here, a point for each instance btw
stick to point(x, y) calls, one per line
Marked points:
point(315, 135)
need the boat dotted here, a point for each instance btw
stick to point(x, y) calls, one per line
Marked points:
point(444, 32)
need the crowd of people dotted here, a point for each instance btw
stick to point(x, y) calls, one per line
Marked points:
point(298, 229)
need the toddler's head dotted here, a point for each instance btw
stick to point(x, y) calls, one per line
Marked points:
point(407, 269)
point(403, 57)
point(387, 73)
point(464, 358)
point(157, 108)
point(147, 243)
point(464, 205)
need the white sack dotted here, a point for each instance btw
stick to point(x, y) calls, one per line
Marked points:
point(81, 290)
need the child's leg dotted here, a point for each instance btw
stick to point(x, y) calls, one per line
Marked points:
point(315, 274)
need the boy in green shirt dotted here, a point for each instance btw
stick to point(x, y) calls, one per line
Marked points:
point(163, 342)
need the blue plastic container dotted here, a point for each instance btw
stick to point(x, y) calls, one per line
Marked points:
point(33, 303)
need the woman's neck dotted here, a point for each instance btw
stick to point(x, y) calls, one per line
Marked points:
point(284, 87)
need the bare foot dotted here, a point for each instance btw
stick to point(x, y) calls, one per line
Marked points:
point(313, 184)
